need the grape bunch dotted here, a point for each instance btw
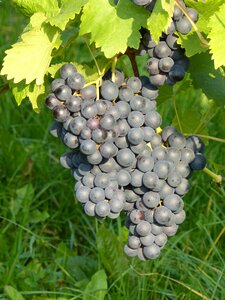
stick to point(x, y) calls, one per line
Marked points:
point(167, 62)
point(120, 158)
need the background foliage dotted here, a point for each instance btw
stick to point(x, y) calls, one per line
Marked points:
point(49, 249)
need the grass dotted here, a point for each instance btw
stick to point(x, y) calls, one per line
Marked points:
point(50, 250)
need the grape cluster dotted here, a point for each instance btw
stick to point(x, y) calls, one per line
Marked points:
point(167, 62)
point(120, 158)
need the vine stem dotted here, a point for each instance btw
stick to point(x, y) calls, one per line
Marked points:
point(216, 178)
point(114, 62)
point(131, 54)
point(200, 36)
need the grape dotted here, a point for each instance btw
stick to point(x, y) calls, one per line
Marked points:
point(193, 14)
point(158, 80)
point(165, 190)
point(123, 109)
point(147, 240)
point(137, 103)
point(177, 140)
point(102, 209)
point(113, 215)
point(136, 178)
point(123, 178)
point(109, 90)
point(156, 229)
point(153, 66)
point(148, 133)
point(88, 180)
point(108, 150)
point(77, 124)
point(183, 187)
point(116, 205)
point(180, 217)
point(84, 168)
point(133, 242)
point(183, 169)
point(134, 83)
point(149, 91)
point(122, 142)
point(152, 251)
point(148, 41)
point(162, 50)
point(173, 154)
point(145, 163)
point(55, 129)
point(171, 41)
point(141, 190)
point(148, 215)
point(67, 70)
point(158, 153)
point(156, 141)
point(136, 119)
point(136, 216)
point(88, 93)
point(108, 165)
point(110, 190)
point(125, 157)
point(101, 180)
point(177, 13)
point(135, 135)
point(108, 122)
point(162, 215)
point(129, 251)
point(95, 158)
point(167, 131)
point(82, 194)
point(150, 179)
point(161, 239)
point(97, 194)
point(165, 64)
point(141, 2)
point(70, 140)
point(143, 228)
point(161, 168)
point(51, 101)
point(174, 179)
point(57, 83)
point(151, 199)
point(126, 93)
point(75, 81)
point(89, 208)
point(195, 143)
point(118, 77)
point(101, 107)
point(73, 104)
point(153, 119)
point(138, 148)
point(63, 92)
point(66, 160)
point(187, 155)
point(171, 28)
point(183, 25)
point(60, 113)
point(199, 162)
point(173, 202)
point(88, 147)
point(131, 196)
point(170, 230)
point(89, 111)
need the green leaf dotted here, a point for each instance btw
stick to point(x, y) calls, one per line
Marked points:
point(113, 28)
point(32, 91)
point(12, 293)
point(30, 57)
point(191, 43)
point(29, 7)
point(97, 287)
point(111, 251)
point(160, 18)
point(216, 36)
point(66, 12)
point(205, 77)
point(37, 216)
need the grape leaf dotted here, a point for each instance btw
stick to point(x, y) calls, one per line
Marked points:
point(205, 77)
point(191, 43)
point(32, 91)
point(29, 7)
point(66, 12)
point(113, 28)
point(217, 32)
point(97, 286)
point(30, 57)
point(160, 18)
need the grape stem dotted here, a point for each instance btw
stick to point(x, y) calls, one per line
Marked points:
point(132, 57)
point(216, 178)
point(200, 36)
point(114, 62)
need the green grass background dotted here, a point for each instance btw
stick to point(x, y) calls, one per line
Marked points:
point(50, 250)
